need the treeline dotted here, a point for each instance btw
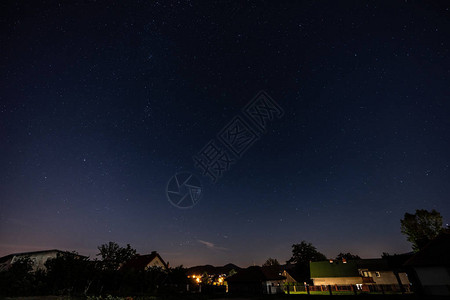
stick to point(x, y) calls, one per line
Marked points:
point(73, 274)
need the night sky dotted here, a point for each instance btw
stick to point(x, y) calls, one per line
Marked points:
point(102, 103)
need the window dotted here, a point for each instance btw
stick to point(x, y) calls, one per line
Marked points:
point(377, 274)
point(365, 273)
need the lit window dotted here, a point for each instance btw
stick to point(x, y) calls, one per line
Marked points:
point(378, 274)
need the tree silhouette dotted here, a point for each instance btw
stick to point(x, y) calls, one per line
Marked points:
point(305, 252)
point(18, 280)
point(113, 255)
point(271, 262)
point(302, 254)
point(70, 273)
point(232, 272)
point(347, 256)
point(421, 227)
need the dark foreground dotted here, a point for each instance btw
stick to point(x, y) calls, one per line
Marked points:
point(263, 297)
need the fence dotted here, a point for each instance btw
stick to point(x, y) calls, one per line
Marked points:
point(296, 288)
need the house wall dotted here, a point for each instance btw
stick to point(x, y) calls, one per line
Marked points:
point(388, 277)
point(289, 278)
point(5, 265)
point(273, 286)
point(404, 278)
point(38, 260)
point(337, 280)
point(156, 262)
point(434, 280)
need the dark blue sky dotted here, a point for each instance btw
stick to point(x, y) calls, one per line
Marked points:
point(101, 104)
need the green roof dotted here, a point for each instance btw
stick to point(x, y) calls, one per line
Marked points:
point(321, 269)
point(324, 269)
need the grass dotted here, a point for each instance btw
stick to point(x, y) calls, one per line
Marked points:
point(323, 293)
point(327, 293)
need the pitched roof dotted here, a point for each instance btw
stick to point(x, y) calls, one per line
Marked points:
point(255, 274)
point(6, 257)
point(435, 253)
point(273, 273)
point(295, 274)
point(397, 261)
point(291, 269)
point(140, 262)
point(322, 269)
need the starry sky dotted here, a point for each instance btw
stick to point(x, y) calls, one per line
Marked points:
point(102, 103)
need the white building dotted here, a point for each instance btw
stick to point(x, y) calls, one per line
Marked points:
point(431, 267)
point(38, 258)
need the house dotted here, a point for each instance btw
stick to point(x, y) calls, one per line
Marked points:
point(365, 274)
point(256, 280)
point(144, 262)
point(291, 276)
point(38, 258)
point(430, 267)
point(216, 275)
point(289, 271)
point(211, 270)
point(294, 281)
